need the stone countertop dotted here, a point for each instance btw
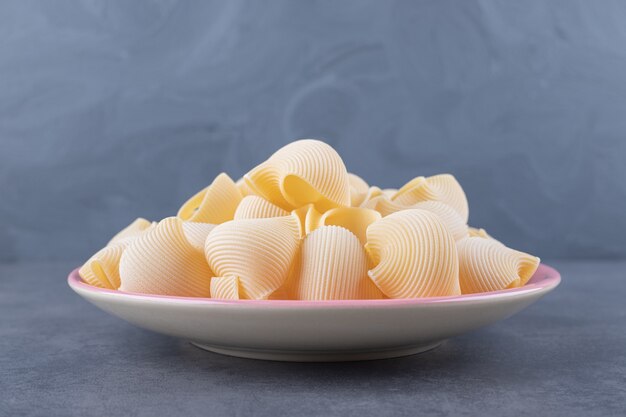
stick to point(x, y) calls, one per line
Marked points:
point(563, 356)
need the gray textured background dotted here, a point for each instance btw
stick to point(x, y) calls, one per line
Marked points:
point(113, 110)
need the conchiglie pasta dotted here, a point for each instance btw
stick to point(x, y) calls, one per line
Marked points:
point(414, 255)
point(300, 226)
point(196, 233)
point(215, 204)
point(255, 207)
point(450, 217)
point(487, 265)
point(476, 232)
point(333, 267)
point(358, 189)
point(355, 219)
point(102, 269)
point(258, 251)
point(308, 218)
point(225, 288)
point(131, 231)
point(163, 261)
point(303, 172)
point(244, 189)
point(443, 187)
point(372, 194)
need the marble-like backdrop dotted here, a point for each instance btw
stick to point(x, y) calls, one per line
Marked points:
point(111, 110)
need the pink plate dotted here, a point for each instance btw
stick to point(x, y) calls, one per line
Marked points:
point(317, 330)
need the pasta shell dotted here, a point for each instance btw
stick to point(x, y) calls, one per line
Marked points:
point(487, 265)
point(333, 267)
point(358, 189)
point(255, 207)
point(450, 217)
point(475, 232)
point(443, 187)
point(131, 231)
point(196, 233)
point(414, 255)
point(244, 188)
point(162, 261)
point(308, 217)
point(355, 219)
point(102, 269)
point(371, 194)
point(215, 204)
point(302, 172)
point(258, 251)
point(225, 288)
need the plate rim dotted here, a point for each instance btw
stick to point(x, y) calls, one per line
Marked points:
point(545, 279)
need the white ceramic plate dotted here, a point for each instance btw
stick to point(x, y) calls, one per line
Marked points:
point(319, 330)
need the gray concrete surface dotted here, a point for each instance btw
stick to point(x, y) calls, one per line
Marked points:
point(111, 110)
point(563, 356)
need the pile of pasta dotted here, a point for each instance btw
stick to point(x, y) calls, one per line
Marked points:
point(299, 226)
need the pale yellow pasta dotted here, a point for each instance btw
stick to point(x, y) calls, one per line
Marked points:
point(102, 269)
point(299, 226)
point(308, 218)
point(244, 188)
point(476, 232)
point(355, 219)
point(255, 207)
point(372, 194)
point(131, 231)
point(450, 217)
point(215, 204)
point(302, 172)
point(443, 187)
point(225, 288)
point(196, 233)
point(163, 261)
point(487, 265)
point(358, 189)
point(414, 255)
point(383, 205)
point(258, 251)
point(333, 267)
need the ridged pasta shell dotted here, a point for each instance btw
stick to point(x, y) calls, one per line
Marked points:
point(476, 232)
point(225, 288)
point(372, 194)
point(487, 265)
point(244, 188)
point(196, 233)
point(255, 207)
point(131, 231)
point(102, 269)
point(355, 219)
point(414, 255)
point(302, 172)
point(450, 217)
point(443, 187)
point(358, 189)
point(258, 251)
point(308, 218)
point(214, 204)
point(333, 267)
point(162, 261)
